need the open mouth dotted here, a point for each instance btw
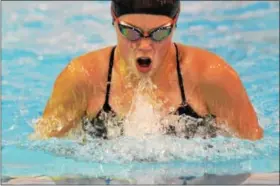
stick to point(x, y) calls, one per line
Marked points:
point(144, 61)
point(144, 64)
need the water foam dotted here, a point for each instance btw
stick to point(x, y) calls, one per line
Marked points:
point(144, 116)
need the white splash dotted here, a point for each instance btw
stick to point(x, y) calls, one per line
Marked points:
point(144, 116)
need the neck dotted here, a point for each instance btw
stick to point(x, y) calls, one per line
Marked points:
point(131, 80)
point(163, 72)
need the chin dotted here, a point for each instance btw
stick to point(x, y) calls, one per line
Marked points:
point(145, 74)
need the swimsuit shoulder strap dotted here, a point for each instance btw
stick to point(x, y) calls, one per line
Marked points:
point(180, 78)
point(109, 77)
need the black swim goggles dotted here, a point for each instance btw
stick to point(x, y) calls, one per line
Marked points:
point(133, 33)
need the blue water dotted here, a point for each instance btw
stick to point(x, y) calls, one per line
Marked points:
point(40, 38)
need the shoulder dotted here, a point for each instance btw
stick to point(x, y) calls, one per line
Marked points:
point(204, 65)
point(91, 61)
point(88, 65)
point(94, 58)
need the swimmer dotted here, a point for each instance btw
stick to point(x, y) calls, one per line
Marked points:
point(199, 83)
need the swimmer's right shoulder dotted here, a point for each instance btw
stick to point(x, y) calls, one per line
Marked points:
point(93, 58)
point(87, 69)
point(90, 63)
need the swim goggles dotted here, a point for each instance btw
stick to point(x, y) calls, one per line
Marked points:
point(133, 33)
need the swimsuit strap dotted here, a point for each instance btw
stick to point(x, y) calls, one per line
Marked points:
point(106, 105)
point(180, 78)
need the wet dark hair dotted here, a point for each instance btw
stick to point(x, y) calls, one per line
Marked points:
point(168, 8)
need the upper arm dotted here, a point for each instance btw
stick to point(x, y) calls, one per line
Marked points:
point(226, 98)
point(66, 104)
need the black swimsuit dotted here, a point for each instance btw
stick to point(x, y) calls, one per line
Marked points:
point(97, 128)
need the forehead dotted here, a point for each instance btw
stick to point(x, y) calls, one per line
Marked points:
point(145, 21)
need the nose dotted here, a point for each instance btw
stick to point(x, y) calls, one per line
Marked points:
point(145, 44)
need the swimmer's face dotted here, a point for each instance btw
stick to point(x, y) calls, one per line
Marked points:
point(144, 56)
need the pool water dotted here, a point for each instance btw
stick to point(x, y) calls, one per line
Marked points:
point(40, 38)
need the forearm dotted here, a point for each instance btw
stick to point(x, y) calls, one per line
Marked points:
point(53, 127)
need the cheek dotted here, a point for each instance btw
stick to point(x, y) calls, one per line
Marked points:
point(166, 43)
point(126, 48)
point(163, 47)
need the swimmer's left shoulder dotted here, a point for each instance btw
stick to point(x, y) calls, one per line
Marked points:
point(204, 61)
point(199, 55)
